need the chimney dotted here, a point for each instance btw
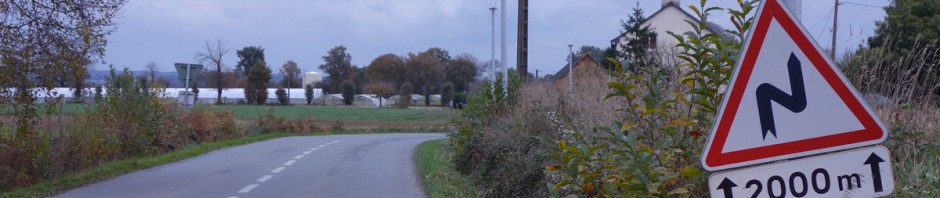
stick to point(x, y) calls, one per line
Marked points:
point(667, 2)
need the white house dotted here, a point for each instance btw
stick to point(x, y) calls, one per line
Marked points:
point(669, 18)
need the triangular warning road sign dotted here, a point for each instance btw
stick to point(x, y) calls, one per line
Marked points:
point(786, 100)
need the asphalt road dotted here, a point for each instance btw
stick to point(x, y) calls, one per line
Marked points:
point(372, 165)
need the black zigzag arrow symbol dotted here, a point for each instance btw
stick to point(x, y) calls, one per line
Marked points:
point(795, 103)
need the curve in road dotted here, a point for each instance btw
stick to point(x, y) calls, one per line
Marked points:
point(371, 165)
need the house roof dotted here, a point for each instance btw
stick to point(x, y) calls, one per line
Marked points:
point(658, 12)
point(577, 59)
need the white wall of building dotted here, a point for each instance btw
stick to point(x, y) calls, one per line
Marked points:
point(312, 77)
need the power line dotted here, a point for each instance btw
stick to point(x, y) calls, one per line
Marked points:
point(534, 41)
point(862, 4)
point(828, 16)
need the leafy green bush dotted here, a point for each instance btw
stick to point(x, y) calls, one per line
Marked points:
point(447, 93)
point(349, 93)
point(495, 140)
point(308, 93)
point(268, 122)
point(130, 120)
point(282, 97)
point(460, 99)
point(404, 99)
point(654, 151)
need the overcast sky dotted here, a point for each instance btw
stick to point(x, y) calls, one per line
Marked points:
point(169, 31)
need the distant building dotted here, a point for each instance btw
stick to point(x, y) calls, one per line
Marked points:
point(311, 78)
point(669, 18)
point(587, 72)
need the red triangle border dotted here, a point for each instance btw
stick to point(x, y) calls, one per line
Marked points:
point(716, 158)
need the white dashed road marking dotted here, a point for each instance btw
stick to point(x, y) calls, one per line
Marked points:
point(264, 178)
point(248, 188)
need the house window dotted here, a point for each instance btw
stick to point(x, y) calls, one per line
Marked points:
point(652, 41)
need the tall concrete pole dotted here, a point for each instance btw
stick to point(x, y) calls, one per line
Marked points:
point(835, 28)
point(502, 39)
point(570, 67)
point(522, 40)
point(493, 43)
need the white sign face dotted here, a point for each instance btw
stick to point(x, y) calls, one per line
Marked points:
point(864, 172)
point(786, 100)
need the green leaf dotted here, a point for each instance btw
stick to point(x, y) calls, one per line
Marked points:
point(679, 191)
point(627, 126)
point(690, 171)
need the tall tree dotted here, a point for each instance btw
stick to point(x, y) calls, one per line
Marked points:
point(259, 78)
point(248, 56)
point(291, 73)
point(907, 22)
point(639, 38)
point(461, 71)
point(381, 90)
point(337, 65)
point(441, 54)
point(387, 68)
point(39, 41)
point(213, 52)
point(424, 72)
point(42, 40)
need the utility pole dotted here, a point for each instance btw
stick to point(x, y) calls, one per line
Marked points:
point(502, 39)
point(522, 40)
point(835, 28)
point(493, 43)
point(570, 67)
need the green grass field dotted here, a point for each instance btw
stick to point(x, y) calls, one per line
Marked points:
point(67, 109)
point(331, 113)
point(341, 113)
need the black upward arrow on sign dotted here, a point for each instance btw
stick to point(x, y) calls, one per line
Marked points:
point(874, 160)
point(795, 103)
point(726, 186)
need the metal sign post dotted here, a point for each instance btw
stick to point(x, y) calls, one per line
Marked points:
point(186, 73)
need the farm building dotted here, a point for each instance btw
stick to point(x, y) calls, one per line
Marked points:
point(206, 95)
point(311, 78)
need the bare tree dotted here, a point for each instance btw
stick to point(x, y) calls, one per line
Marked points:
point(152, 68)
point(213, 53)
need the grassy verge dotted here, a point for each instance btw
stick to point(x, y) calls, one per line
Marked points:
point(438, 175)
point(117, 168)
